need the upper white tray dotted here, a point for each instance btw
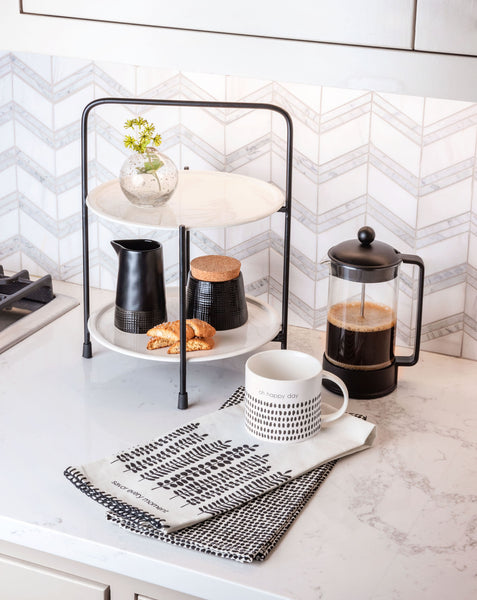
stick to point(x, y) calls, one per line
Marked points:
point(262, 326)
point(202, 200)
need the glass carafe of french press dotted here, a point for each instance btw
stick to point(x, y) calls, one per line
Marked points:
point(361, 320)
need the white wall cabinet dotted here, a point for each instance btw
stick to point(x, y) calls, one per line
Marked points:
point(447, 26)
point(387, 24)
point(22, 580)
point(372, 40)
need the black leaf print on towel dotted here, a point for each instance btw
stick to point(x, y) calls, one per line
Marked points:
point(195, 489)
point(152, 446)
point(184, 460)
point(174, 450)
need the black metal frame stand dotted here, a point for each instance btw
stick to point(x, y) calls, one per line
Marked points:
point(184, 237)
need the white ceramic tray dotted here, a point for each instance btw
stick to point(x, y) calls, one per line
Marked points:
point(202, 199)
point(262, 326)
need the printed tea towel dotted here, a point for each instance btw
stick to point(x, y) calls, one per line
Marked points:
point(208, 467)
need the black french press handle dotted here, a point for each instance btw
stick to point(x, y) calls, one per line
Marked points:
point(409, 361)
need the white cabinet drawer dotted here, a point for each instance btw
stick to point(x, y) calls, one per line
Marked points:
point(447, 26)
point(21, 580)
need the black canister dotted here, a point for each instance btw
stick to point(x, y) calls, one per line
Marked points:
point(216, 293)
point(140, 289)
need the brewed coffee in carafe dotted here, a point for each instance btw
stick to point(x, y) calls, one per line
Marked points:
point(361, 316)
point(361, 336)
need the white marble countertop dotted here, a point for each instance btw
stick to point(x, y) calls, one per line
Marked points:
point(397, 521)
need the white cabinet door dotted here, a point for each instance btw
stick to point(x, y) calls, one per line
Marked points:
point(447, 26)
point(21, 580)
point(383, 23)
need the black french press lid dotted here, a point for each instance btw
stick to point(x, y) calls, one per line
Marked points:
point(364, 260)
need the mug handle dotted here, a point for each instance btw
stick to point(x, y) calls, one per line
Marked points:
point(340, 412)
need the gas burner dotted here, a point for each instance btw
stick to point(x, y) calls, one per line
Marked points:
point(20, 296)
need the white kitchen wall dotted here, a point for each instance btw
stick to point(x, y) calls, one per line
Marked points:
point(405, 165)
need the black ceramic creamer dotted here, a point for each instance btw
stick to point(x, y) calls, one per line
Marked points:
point(140, 289)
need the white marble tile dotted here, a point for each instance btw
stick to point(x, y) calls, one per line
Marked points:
point(305, 139)
point(120, 79)
point(445, 203)
point(246, 131)
point(393, 196)
point(32, 101)
point(254, 163)
point(448, 151)
point(70, 247)
point(255, 268)
point(208, 87)
point(38, 153)
point(469, 347)
point(340, 189)
point(445, 254)
point(235, 236)
point(303, 240)
point(12, 262)
point(44, 241)
point(472, 256)
point(344, 138)
point(37, 193)
point(8, 181)
point(148, 79)
point(66, 68)
point(204, 130)
point(69, 203)
point(305, 193)
point(9, 223)
point(243, 89)
point(6, 88)
point(395, 144)
point(437, 109)
point(333, 98)
point(450, 344)
point(69, 109)
point(40, 63)
point(411, 106)
point(446, 302)
point(339, 233)
point(67, 160)
point(195, 161)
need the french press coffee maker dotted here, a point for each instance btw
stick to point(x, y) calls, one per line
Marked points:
point(361, 321)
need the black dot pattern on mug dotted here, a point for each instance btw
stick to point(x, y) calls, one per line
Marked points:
point(282, 422)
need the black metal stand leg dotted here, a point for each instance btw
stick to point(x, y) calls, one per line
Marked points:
point(182, 401)
point(87, 349)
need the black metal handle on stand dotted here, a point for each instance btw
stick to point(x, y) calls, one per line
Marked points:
point(183, 232)
point(409, 361)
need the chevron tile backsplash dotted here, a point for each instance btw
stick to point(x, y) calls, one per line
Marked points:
point(404, 165)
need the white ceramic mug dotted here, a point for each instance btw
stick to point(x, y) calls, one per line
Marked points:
point(283, 396)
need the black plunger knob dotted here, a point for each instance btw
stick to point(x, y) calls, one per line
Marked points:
point(366, 236)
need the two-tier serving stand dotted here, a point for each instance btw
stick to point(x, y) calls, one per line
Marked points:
point(202, 200)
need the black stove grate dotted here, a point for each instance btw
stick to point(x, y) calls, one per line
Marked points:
point(19, 292)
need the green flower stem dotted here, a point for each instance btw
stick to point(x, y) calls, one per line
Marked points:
point(154, 171)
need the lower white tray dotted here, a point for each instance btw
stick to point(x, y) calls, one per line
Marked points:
point(262, 326)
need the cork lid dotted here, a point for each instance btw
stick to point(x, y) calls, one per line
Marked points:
point(215, 268)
